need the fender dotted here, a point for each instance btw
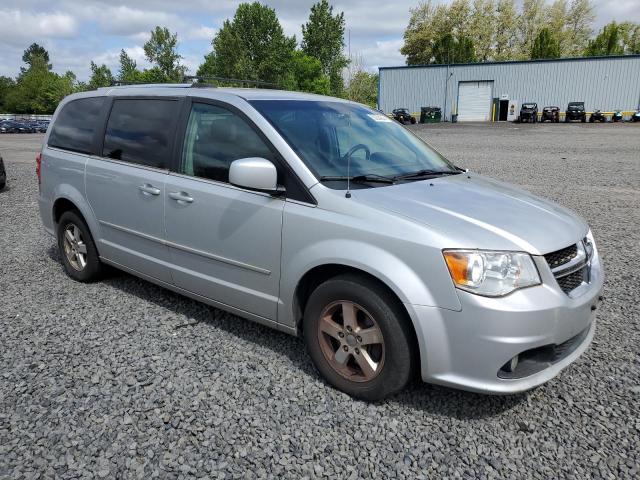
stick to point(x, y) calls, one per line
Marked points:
point(400, 277)
point(72, 194)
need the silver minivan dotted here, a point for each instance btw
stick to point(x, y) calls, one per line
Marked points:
point(326, 219)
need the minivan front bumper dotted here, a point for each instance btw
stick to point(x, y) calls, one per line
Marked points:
point(544, 326)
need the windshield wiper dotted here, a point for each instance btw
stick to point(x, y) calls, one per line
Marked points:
point(426, 173)
point(371, 178)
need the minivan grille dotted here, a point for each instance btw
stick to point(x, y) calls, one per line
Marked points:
point(560, 257)
point(571, 281)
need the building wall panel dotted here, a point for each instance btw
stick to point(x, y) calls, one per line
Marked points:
point(605, 83)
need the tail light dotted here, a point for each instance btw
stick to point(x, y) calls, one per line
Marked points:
point(39, 167)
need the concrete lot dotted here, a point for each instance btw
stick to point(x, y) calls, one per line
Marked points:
point(122, 379)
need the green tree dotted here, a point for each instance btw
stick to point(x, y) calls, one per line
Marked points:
point(578, 31)
point(608, 42)
point(251, 46)
point(323, 38)
point(545, 45)
point(506, 30)
point(482, 29)
point(128, 70)
point(530, 22)
point(450, 49)
point(363, 88)
point(161, 51)
point(420, 33)
point(556, 20)
point(7, 84)
point(32, 52)
point(307, 75)
point(101, 76)
point(39, 90)
point(630, 34)
point(434, 30)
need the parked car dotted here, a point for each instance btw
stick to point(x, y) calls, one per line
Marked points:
point(597, 116)
point(617, 116)
point(11, 126)
point(3, 174)
point(529, 112)
point(41, 127)
point(575, 111)
point(403, 116)
point(551, 114)
point(636, 117)
point(7, 126)
point(323, 218)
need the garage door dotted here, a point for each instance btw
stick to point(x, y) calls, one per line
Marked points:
point(474, 101)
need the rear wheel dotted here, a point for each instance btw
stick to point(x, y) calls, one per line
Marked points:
point(358, 338)
point(79, 255)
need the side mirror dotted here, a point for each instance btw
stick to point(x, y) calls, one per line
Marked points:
point(254, 173)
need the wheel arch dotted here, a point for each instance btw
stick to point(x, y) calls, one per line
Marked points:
point(69, 198)
point(321, 273)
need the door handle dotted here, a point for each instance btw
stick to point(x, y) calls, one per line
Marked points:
point(149, 189)
point(181, 197)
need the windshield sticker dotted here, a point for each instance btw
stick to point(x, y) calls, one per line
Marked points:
point(377, 117)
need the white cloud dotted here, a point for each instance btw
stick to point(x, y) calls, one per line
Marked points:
point(123, 20)
point(201, 33)
point(17, 26)
point(383, 54)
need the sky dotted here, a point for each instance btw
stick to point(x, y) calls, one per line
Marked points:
point(78, 31)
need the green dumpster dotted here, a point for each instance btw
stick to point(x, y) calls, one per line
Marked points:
point(430, 115)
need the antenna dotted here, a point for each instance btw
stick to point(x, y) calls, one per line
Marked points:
point(348, 194)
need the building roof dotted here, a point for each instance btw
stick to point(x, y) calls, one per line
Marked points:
point(546, 60)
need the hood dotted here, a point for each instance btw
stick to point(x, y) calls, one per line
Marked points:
point(474, 211)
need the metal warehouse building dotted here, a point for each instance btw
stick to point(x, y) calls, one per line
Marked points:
point(494, 90)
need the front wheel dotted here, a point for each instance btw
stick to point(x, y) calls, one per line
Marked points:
point(359, 338)
point(75, 244)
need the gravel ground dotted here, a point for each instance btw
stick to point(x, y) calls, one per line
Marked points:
point(122, 379)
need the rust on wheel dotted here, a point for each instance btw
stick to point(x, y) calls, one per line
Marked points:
point(351, 341)
point(74, 247)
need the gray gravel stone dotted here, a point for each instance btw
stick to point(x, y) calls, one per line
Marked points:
point(97, 381)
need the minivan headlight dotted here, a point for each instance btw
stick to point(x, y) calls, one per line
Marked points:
point(490, 273)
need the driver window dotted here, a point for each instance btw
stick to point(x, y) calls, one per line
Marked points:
point(215, 137)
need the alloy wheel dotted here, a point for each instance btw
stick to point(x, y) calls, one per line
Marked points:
point(74, 247)
point(351, 341)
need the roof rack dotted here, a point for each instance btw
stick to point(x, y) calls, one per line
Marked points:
point(200, 81)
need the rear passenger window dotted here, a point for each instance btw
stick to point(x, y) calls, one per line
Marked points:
point(215, 137)
point(75, 125)
point(141, 131)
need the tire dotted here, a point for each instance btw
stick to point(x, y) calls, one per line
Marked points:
point(338, 355)
point(80, 245)
point(584, 119)
point(413, 121)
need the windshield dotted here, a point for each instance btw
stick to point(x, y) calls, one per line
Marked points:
point(529, 105)
point(325, 134)
point(576, 106)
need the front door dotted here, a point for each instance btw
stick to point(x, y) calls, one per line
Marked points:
point(224, 241)
point(126, 186)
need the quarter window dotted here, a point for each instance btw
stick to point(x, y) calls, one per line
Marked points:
point(141, 131)
point(76, 124)
point(215, 137)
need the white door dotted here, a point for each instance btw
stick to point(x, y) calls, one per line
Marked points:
point(474, 101)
